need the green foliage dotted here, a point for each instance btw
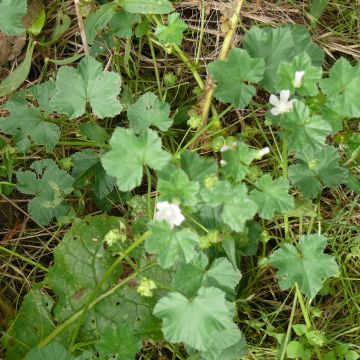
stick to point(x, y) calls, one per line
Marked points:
point(342, 88)
point(272, 196)
point(173, 33)
point(143, 150)
point(147, 6)
point(316, 170)
point(232, 77)
point(54, 351)
point(26, 125)
point(11, 12)
point(49, 190)
point(277, 45)
point(306, 264)
point(149, 111)
point(74, 88)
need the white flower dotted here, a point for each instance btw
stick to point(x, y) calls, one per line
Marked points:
point(170, 213)
point(298, 78)
point(223, 162)
point(282, 104)
point(261, 153)
point(224, 148)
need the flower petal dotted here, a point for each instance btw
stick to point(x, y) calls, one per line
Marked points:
point(274, 100)
point(284, 95)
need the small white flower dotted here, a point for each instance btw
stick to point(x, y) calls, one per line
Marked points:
point(170, 213)
point(298, 78)
point(224, 148)
point(223, 162)
point(261, 153)
point(282, 104)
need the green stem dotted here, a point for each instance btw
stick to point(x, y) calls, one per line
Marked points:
point(107, 274)
point(148, 195)
point(285, 175)
point(155, 67)
point(202, 31)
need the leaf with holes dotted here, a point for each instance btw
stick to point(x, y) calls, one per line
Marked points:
point(306, 264)
point(234, 75)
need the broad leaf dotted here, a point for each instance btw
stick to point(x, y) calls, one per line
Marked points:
point(173, 32)
point(87, 84)
point(272, 196)
point(171, 246)
point(11, 13)
point(236, 205)
point(122, 23)
point(119, 341)
point(208, 313)
point(310, 80)
point(149, 111)
point(306, 264)
point(33, 323)
point(143, 150)
point(343, 88)
point(234, 74)
point(54, 351)
point(42, 93)
point(26, 125)
point(197, 168)
point(277, 45)
point(317, 169)
point(175, 186)
point(147, 6)
point(50, 185)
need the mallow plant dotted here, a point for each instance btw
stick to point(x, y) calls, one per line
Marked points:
point(169, 272)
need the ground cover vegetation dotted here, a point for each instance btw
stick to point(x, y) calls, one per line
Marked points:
point(179, 179)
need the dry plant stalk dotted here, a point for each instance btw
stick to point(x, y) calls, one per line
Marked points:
point(81, 26)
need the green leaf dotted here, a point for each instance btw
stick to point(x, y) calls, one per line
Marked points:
point(294, 350)
point(310, 80)
point(236, 205)
point(89, 83)
point(119, 341)
point(11, 13)
point(317, 7)
point(197, 168)
point(272, 196)
point(38, 24)
point(277, 45)
point(234, 74)
point(171, 246)
point(15, 79)
point(122, 24)
point(143, 150)
point(26, 125)
point(173, 33)
point(42, 93)
point(342, 88)
point(317, 169)
point(49, 190)
point(147, 6)
point(33, 323)
point(208, 313)
point(53, 351)
point(98, 20)
point(237, 162)
point(149, 111)
point(95, 132)
point(303, 130)
point(175, 186)
point(306, 264)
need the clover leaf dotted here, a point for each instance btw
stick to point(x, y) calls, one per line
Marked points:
point(173, 33)
point(26, 125)
point(119, 341)
point(317, 169)
point(208, 313)
point(171, 246)
point(234, 74)
point(342, 88)
point(49, 190)
point(310, 79)
point(11, 13)
point(306, 264)
point(277, 45)
point(271, 196)
point(303, 130)
point(74, 88)
point(149, 111)
point(130, 153)
point(236, 206)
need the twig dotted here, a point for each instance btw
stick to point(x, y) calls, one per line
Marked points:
point(81, 26)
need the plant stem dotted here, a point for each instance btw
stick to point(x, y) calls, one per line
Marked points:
point(155, 67)
point(284, 166)
point(107, 274)
point(148, 195)
point(81, 26)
